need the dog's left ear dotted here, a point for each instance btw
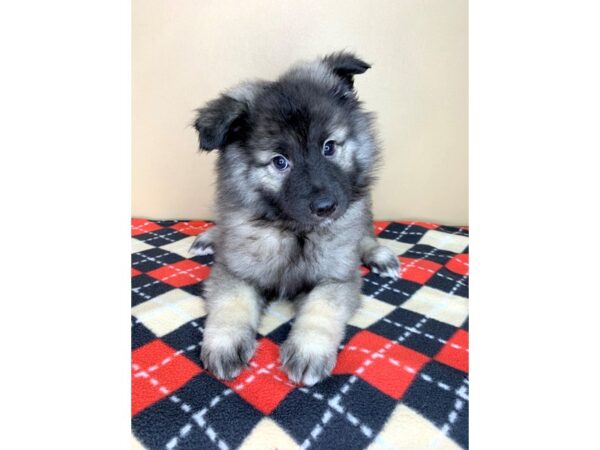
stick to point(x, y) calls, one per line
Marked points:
point(220, 122)
point(345, 65)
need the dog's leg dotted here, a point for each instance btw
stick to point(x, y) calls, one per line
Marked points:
point(234, 309)
point(310, 351)
point(380, 259)
point(202, 245)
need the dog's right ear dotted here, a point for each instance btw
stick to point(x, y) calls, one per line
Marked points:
point(345, 65)
point(220, 122)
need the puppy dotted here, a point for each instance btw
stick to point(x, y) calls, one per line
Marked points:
point(293, 214)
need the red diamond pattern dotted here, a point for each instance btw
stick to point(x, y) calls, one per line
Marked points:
point(459, 264)
point(156, 373)
point(193, 227)
point(417, 270)
point(141, 226)
point(263, 384)
point(387, 365)
point(455, 352)
point(182, 273)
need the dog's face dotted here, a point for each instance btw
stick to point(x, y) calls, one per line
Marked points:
point(297, 150)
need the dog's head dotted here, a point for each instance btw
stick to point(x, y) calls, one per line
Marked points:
point(299, 149)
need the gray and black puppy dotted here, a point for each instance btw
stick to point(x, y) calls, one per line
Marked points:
point(293, 214)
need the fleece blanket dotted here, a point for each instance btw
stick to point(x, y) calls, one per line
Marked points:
point(401, 380)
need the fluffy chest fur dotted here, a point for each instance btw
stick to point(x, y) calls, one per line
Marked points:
point(282, 263)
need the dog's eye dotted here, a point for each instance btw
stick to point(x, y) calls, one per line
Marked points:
point(280, 163)
point(329, 148)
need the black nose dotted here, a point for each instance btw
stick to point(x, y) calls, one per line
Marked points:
point(323, 206)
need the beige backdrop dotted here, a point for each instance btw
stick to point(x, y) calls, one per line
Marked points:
point(186, 52)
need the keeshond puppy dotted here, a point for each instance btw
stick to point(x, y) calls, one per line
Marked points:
point(293, 214)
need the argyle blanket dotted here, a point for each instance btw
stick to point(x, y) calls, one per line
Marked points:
point(401, 380)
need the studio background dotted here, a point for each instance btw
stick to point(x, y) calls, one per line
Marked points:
point(186, 53)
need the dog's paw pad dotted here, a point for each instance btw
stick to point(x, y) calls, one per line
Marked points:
point(382, 261)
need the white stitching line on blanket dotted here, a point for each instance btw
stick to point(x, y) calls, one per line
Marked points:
point(421, 233)
point(178, 271)
point(387, 284)
point(454, 256)
point(458, 283)
point(318, 396)
point(461, 261)
point(459, 232)
point(149, 258)
point(157, 236)
point(189, 226)
point(197, 417)
point(457, 280)
point(179, 352)
point(405, 232)
point(164, 264)
point(440, 275)
point(367, 312)
point(171, 306)
point(414, 330)
point(427, 335)
point(418, 252)
point(409, 369)
point(452, 416)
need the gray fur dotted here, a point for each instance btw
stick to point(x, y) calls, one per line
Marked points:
point(269, 242)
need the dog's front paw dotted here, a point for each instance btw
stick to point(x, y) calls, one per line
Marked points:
point(383, 262)
point(307, 361)
point(202, 245)
point(226, 353)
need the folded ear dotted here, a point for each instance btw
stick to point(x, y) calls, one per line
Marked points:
point(346, 65)
point(220, 122)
